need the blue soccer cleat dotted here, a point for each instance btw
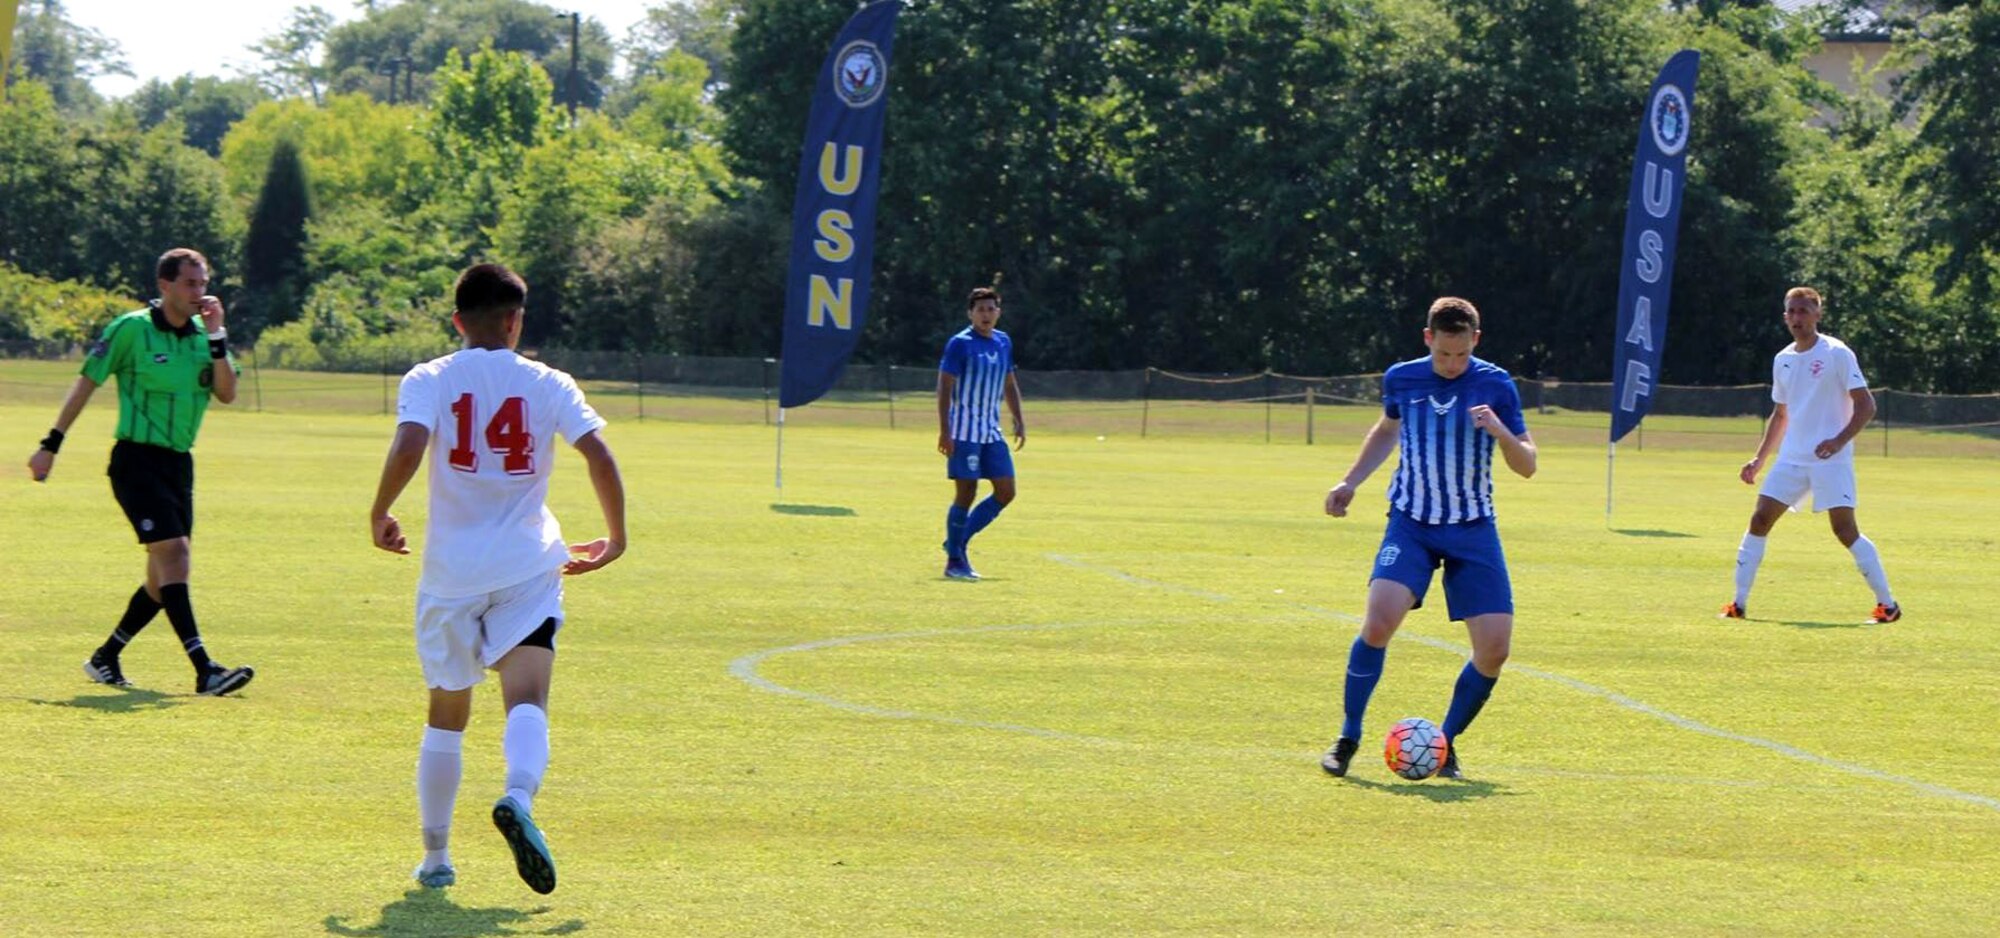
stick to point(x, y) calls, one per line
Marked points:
point(531, 855)
point(960, 569)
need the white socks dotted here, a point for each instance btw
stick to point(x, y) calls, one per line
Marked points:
point(527, 748)
point(439, 765)
point(1749, 554)
point(1870, 564)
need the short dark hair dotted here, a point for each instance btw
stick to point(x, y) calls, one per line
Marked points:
point(1453, 315)
point(486, 292)
point(169, 266)
point(982, 293)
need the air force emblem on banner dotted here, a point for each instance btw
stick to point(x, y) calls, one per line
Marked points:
point(860, 73)
point(1669, 120)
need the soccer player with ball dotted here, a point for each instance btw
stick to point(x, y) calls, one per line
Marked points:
point(1448, 410)
point(491, 592)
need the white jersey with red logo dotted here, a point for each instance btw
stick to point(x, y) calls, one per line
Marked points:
point(493, 418)
point(1813, 385)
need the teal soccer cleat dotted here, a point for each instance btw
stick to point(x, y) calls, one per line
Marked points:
point(531, 855)
point(437, 877)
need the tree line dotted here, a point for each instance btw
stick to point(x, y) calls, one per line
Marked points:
point(1203, 185)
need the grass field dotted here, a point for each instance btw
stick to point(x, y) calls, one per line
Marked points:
point(785, 722)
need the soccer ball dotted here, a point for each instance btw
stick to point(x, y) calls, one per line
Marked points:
point(1416, 748)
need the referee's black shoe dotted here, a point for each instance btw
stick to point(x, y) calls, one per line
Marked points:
point(104, 669)
point(1336, 759)
point(218, 680)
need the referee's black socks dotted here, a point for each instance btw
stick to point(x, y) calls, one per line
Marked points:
point(180, 612)
point(138, 612)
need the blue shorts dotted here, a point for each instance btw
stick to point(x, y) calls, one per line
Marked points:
point(980, 460)
point(1475, 569)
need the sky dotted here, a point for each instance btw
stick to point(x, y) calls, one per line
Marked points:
point(212, 37)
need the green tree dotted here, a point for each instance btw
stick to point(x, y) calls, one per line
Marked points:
point(51, 49)
point(275, 278)
point(698, 28)
point(290, 55)
point(421, 36)
point(206, 107)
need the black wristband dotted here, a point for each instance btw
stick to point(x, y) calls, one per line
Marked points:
point(218, 348)
point(53, 442)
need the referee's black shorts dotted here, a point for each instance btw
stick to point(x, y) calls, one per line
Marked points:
point(155, 486)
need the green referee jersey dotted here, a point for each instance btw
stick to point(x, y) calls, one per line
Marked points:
point(164, 376)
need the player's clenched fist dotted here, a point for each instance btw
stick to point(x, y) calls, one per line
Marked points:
point(1338, 498)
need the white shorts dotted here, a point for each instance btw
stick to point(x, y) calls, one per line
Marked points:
point(1831, 482)
point(459, 638)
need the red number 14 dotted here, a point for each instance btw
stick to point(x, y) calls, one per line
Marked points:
point(506, 434)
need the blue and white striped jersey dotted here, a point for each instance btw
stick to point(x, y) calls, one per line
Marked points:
point(981, 366)
point(1445, 475)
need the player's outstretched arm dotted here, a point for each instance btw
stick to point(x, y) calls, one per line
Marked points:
point(610, 488)
point(1013, 392)
point(44, 458)
point(1774, 430)
point(406, 453)
point(1375, 448)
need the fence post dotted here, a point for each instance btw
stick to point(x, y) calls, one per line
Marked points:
point(891, 385)
point(639, 382)
point(256, 379)
point(1267, 405)
point(1309, 415)
point(1145, 401)
point(1883, 412)
point(768, 362)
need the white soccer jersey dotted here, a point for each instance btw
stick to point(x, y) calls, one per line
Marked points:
point(493, 418)
point(1813, 385)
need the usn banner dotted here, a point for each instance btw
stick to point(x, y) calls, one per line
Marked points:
point(1652, 221)
point(833, 216)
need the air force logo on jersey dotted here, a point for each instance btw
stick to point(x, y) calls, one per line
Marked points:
point(860, 74)
point(1443, 408)
point(1668, 119)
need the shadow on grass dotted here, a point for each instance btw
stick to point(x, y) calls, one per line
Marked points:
point(1651, 532)
point(1442, 792)
point(823, 511)
point(429, 913)
point(117, 700)
point(1804, 624)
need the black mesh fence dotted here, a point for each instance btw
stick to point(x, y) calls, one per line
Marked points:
point(1150, 402)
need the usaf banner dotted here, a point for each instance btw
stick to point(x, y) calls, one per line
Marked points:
point(1652, 220)
point(833, 216)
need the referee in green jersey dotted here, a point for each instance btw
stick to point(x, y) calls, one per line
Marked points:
point(170, 358)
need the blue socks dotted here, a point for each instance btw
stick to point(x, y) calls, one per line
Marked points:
point(955, 534)
point(960, 525)
point(1364, 669)
point(982, 515)
point(1466, 699)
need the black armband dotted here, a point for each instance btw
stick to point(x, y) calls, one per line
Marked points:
point(218, 344)
point(53, 442)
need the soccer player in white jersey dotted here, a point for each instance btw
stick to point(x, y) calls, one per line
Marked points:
point(1821, 403)
point(1449, 410)
point(976, 372)
point(491, 592)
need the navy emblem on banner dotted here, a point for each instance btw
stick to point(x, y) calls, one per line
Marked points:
point(860, 73)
